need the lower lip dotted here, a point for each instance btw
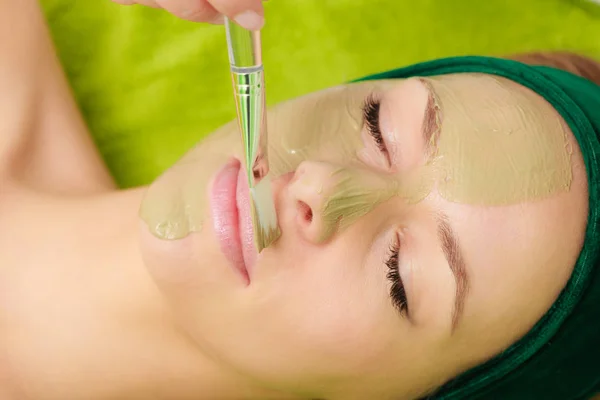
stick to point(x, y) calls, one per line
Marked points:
point(231, 218)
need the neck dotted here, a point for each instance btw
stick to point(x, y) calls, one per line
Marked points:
point(94, 325)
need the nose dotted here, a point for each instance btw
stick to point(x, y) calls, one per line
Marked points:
point(308, 191)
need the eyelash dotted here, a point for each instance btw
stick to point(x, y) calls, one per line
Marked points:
point(371, 118)
point(397, 292)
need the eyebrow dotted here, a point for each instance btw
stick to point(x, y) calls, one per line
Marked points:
point(431, 119)
point(452, 252)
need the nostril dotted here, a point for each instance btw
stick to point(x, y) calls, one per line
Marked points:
point(305, 212)
point(309, 215)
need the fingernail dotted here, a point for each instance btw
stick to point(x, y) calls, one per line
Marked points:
point(249, 20)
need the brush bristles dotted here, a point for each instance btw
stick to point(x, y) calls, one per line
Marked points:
point(264, 216)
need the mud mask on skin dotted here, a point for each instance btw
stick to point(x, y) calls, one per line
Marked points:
point(350, 193)
point(499, 143)
point(496, 144)
point(321, 126)
point(176, 203)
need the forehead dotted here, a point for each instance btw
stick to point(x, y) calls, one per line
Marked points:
point(520, 253)
point(500, 143)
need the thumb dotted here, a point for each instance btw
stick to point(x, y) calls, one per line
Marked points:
point(247, 13)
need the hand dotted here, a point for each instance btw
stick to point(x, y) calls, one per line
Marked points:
point(247, 13)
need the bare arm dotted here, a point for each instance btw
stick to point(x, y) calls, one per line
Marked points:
point(44, 142)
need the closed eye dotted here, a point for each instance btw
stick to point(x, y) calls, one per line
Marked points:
point(370, 110)
point(397, 291)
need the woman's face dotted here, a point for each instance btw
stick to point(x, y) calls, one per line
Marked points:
point(426, 225)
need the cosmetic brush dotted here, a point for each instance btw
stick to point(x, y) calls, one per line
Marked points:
point(247, 75)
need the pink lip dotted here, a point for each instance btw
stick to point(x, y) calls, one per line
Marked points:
point(230, 207)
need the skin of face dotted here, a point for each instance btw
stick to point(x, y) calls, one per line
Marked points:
point(317, 321)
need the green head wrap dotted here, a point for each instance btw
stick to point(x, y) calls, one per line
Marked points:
point(560, 357)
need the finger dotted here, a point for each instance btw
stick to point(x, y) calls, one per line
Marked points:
point(192, 10)
point(247, 13)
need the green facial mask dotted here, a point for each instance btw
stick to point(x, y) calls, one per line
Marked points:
point(495, 143)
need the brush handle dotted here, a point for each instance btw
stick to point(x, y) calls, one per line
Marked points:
point(248, 86)
point(249, 92)
point(250, 103)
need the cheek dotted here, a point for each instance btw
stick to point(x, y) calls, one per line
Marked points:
point(308, 315)
point(337, 309)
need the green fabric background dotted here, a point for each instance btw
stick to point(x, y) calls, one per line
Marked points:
point(150, 86)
